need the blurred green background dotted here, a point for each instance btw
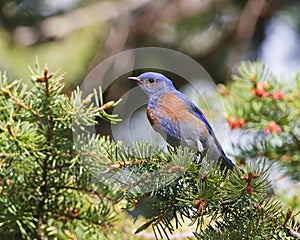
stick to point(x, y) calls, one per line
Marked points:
point(76, 35)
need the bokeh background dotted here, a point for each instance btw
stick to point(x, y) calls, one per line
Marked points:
point(76, 35)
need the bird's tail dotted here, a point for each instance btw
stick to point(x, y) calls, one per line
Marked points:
point(226, 163)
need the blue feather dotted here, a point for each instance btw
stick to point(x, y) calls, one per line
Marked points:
point(195, 110)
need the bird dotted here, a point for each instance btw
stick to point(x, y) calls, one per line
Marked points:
point(178, 120)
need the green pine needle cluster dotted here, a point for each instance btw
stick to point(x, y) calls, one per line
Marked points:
point(60, 181)
point(45, 190)
point(269, 111)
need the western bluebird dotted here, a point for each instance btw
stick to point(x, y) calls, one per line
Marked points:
point(177, 119)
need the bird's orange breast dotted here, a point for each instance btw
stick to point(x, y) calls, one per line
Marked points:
point(170, 110)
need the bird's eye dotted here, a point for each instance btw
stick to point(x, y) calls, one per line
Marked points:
point(151, 80)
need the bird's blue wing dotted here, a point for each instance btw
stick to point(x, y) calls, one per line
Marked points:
point(195, 110)
point(226, 162)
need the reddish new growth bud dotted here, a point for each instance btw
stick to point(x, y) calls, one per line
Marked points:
point(242, 123)
point(273, 128)
point(248, 180)
point(265, 95)
point(232, 123)
point(236, 123)
point(45, 71)
point(260, 90)
point(279, 95)
point(201, 204)
point(249, 189)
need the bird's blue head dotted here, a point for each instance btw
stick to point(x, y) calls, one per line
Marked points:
point(154, 83)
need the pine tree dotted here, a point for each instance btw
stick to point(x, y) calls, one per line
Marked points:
point(45, 190)
point(54, 188)
point(270, 112)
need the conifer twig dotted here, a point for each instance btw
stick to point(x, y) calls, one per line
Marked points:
point(6, 92)
point(103, 107)
point(9, 154)
point(120, 164)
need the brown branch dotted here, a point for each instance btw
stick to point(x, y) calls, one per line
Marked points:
point(44, 188)
point(9, 154)
point(7, 93)
point(75, 154)
point(121, 165)
point(117, 164)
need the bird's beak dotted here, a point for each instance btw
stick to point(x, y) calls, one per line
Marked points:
point(137, 79)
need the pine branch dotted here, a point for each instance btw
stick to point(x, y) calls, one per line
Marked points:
point(43, 158)
point(44, 184)
point(7, 93)
point(43, 176)
point(9, 154)
point(103, 107)
point(139, 162)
